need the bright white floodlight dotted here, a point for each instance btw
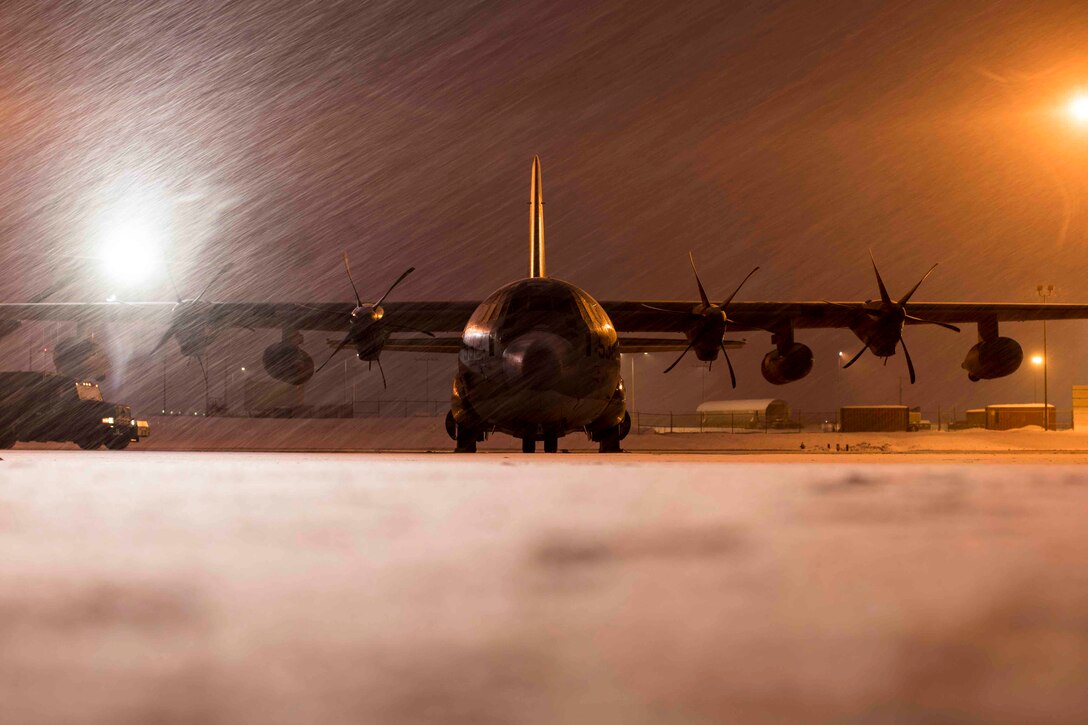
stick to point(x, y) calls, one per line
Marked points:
point(131, 252)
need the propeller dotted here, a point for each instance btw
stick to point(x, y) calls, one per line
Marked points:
point(892, 312)
point(178, 320)
point(367, 314)
point(711, 319)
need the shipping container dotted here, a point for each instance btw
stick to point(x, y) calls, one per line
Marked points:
point(976, 418)
point(874, 418)
point(1018, 415)
point(1080, 407)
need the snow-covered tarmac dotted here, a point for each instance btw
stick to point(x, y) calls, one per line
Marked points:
point(165, 587)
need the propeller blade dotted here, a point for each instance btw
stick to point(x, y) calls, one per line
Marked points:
point(163, 340)
point(677, 361)
point(855, 358)
point(910, 365)
point(382, 371)
point(347, 267)
point(226, 268)
point(907, 296)
point(920, 321)
point(702, 292)
point(884, 297)
point(730, 298)
point(339, 347)
point(394, 286)
point(732, 375)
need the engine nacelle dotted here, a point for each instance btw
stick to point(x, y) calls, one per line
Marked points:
point(781, 368)
point(289, 363)
point(81, 358)
point(993, 359)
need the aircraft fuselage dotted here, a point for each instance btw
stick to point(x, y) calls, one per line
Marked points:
point(539, 359)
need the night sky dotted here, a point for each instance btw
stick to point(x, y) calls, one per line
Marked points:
point(790, 135)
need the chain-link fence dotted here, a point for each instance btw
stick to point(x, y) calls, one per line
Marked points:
point(945, 419)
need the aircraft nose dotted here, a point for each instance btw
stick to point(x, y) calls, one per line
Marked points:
point(536, 360)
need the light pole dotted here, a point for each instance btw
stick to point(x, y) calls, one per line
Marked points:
point(1045, 292)
point(230, 385)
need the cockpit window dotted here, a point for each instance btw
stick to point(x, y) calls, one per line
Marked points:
point(545, 308)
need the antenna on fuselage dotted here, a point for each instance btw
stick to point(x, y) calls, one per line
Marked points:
point(536, 223)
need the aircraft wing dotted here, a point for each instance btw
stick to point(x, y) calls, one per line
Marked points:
point(656, 316)
point(332, 316)
point(631, 318)
point(156, 313)
point(630, 344)
point(423, 344)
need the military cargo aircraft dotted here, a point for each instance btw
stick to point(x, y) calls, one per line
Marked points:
point(539, 358)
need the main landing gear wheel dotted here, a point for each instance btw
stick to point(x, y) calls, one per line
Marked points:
point(610, 443)
point(551, 444)
point(528, 444)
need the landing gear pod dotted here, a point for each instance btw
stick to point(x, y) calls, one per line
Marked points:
point(993, 359)
point(780, 367)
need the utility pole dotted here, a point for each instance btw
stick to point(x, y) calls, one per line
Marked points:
point(1045, 293)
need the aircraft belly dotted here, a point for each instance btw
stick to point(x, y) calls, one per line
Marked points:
point(503, 403)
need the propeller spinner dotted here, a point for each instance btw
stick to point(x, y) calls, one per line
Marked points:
point(884, 331)
point(709, 321)
point(366, 315)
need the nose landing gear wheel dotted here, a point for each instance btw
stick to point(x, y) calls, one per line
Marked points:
point(528, 444)
point(551, 444)
point(466, 441)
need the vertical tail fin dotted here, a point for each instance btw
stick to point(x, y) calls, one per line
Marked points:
point(536, 223)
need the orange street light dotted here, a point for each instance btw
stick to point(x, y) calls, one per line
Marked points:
point(1036, 360)
point(1078, 108)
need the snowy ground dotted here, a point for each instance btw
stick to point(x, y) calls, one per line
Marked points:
point(170, 587)
point(428, 434)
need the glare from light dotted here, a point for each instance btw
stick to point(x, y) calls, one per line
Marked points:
point(131, 252)
point(1036, 359)
point(1078, 108)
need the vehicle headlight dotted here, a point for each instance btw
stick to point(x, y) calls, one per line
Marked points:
point(108, 421)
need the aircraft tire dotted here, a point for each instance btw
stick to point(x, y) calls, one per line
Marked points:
point(528, 444)
point(551, 444)
point(610, 441)
point(466, 440)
